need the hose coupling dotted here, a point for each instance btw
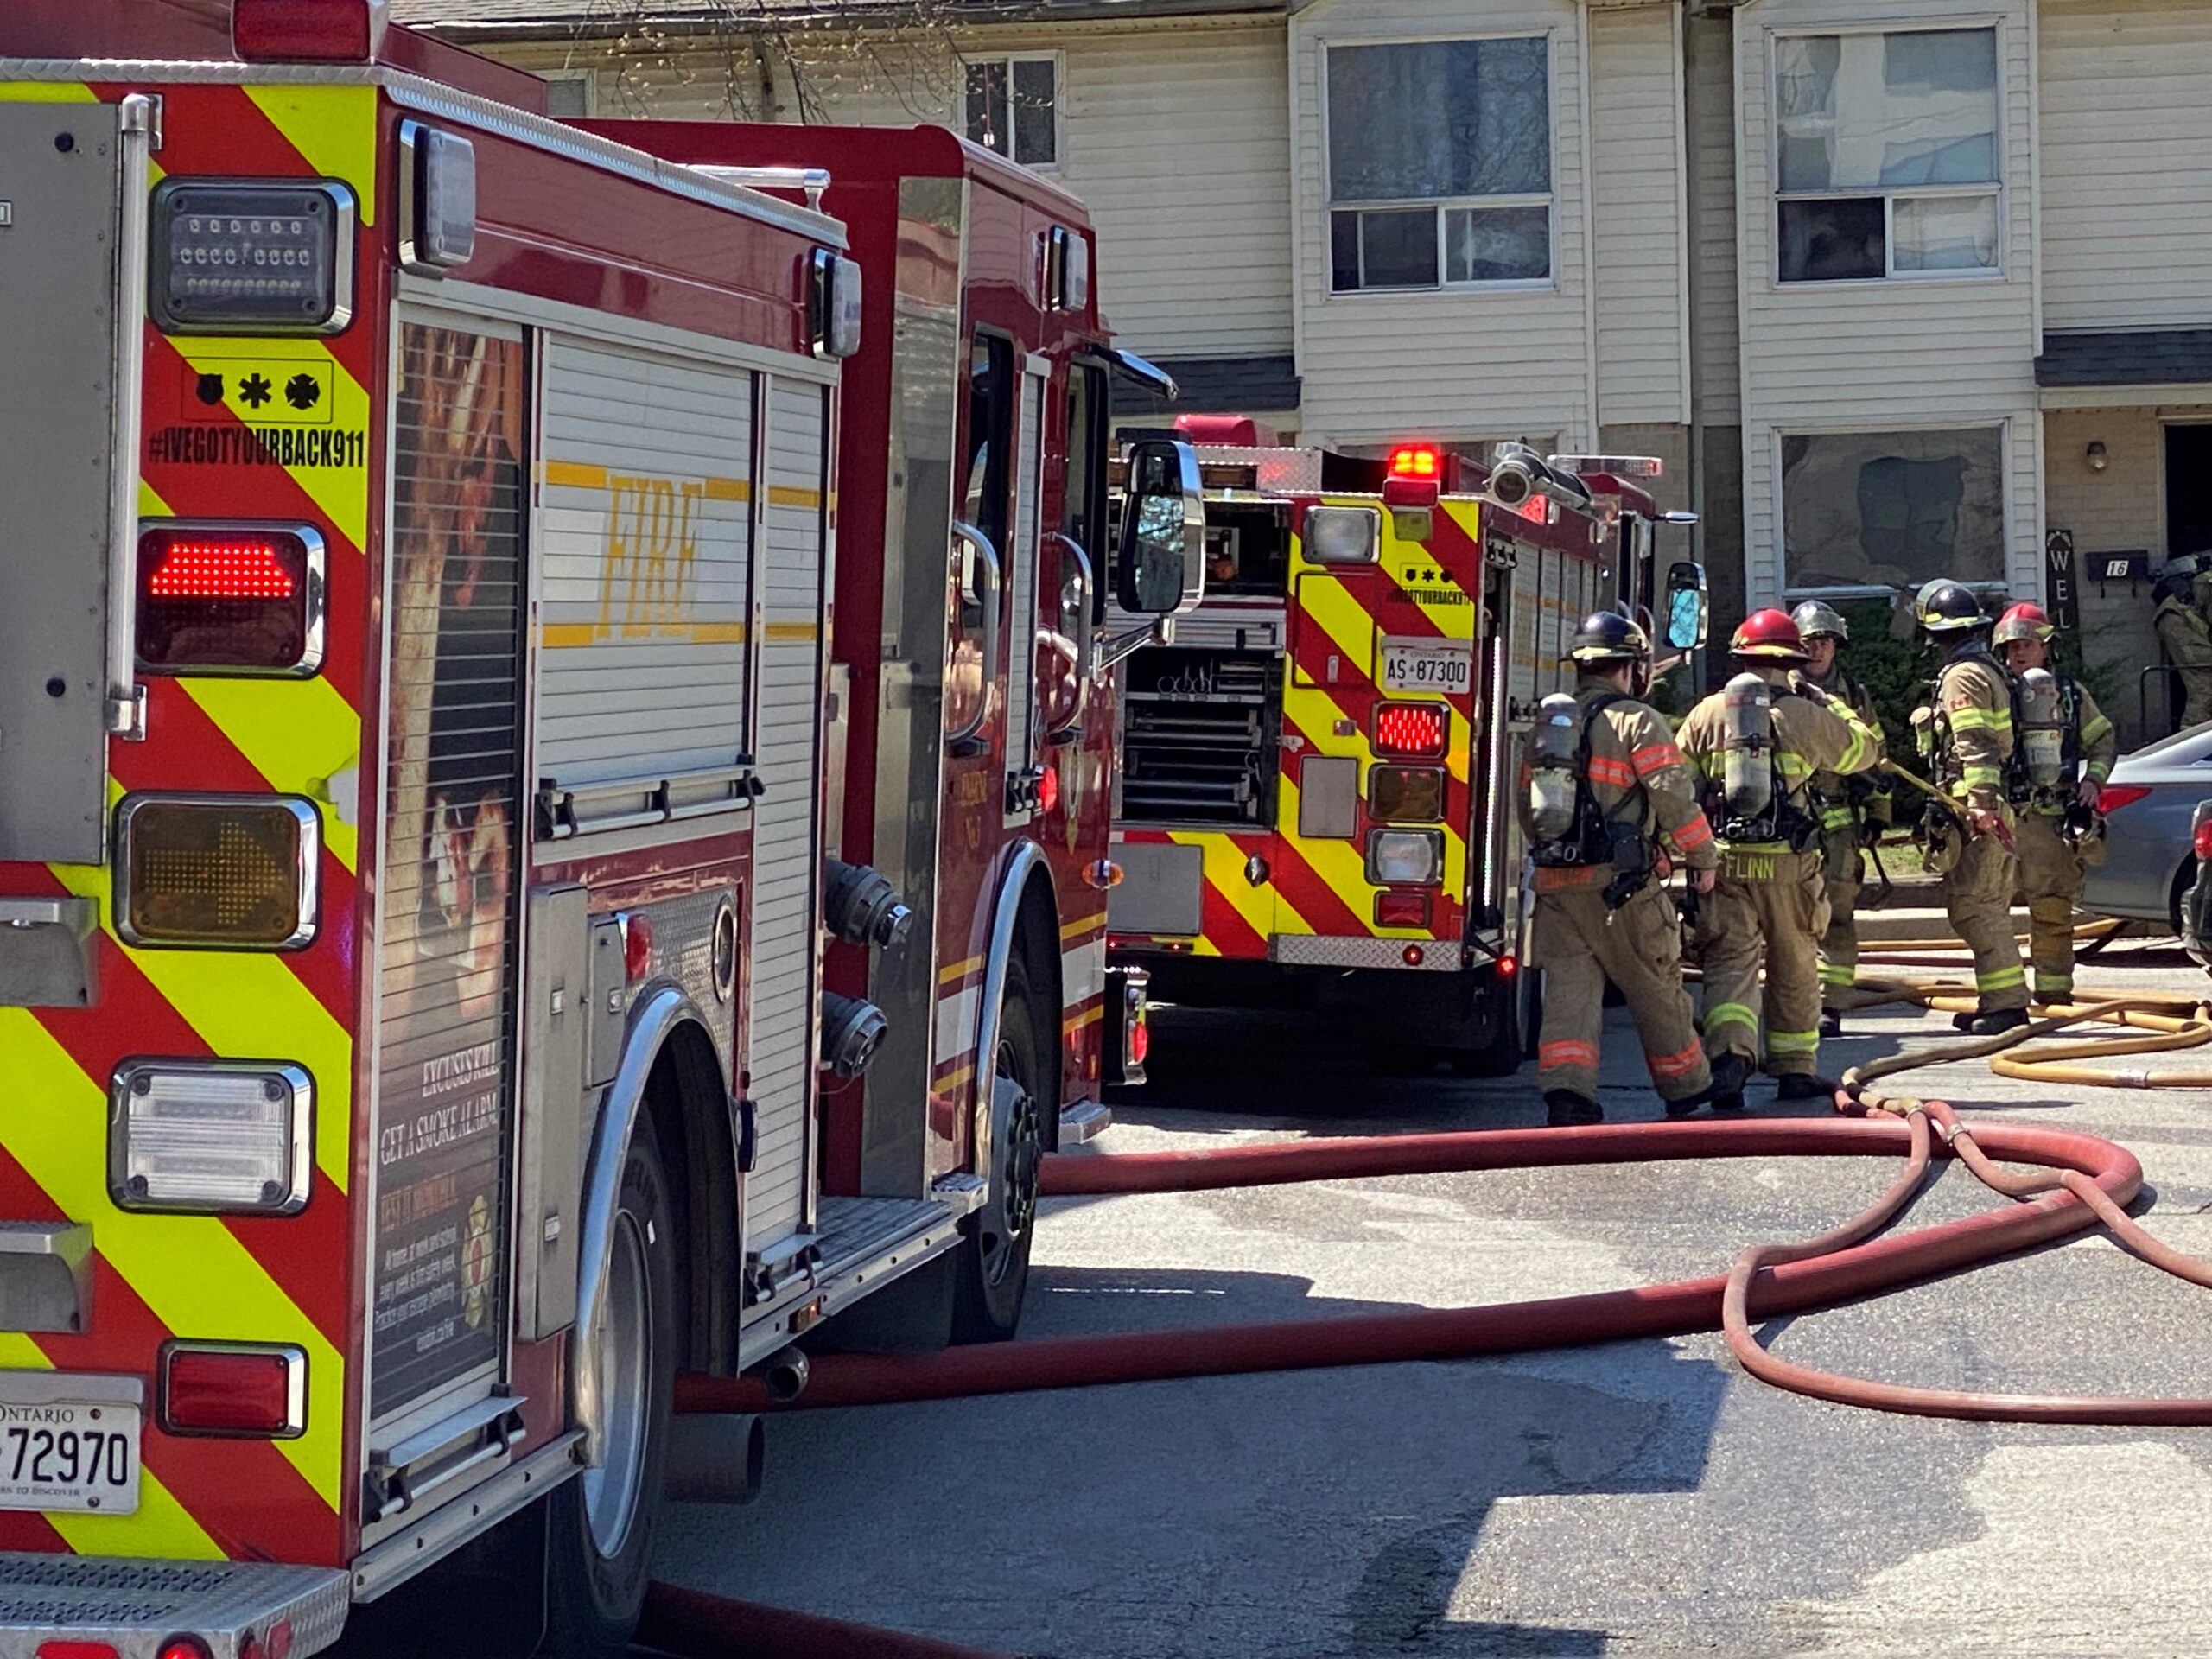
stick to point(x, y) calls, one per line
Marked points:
point(2131, 1078)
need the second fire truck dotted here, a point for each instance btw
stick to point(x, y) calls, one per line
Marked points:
point(1317, 772)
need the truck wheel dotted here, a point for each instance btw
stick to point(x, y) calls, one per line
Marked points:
point(993, 1271)
point(1512, 1033)
point(599, 1527)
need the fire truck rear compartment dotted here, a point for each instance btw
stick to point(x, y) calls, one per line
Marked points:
point(1201, 732)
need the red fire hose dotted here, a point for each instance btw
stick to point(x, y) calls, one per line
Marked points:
point(2076, 1180)
point(1818, 1279)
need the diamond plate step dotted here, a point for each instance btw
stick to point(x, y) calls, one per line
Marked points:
point(239, 1608)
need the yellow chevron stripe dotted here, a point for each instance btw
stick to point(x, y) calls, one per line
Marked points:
point(296, 733)
point(247, 1004)
point(162, 1528)
point(335, 129)
point(48, 92)
point(1350, 629)
point(198, 1280)
point(1264, 910)
point(340, 493)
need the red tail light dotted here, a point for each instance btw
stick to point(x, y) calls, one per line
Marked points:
point(230, 600)
point(239, 1389)
point(306, 31)
point(77, 1650)
point(1411, 728)
point(186, 1647)
point(1507, 966)
point(1140, 1038)
point(2112, 797)
point(2203, 838)
point(636, 946)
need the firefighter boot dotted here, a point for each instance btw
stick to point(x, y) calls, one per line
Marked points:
point(1564, 1108)
point(1831, 1022)
point(1998, 1021)
point(1729, 1071)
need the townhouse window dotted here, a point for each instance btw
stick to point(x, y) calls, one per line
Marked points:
point(1013, 107)
point(1885, 155)
point(1439, 164)
point(1893, 509)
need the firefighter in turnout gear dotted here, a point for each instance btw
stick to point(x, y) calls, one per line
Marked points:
point(2184, 624)
point(1759, 743)
point(1968, 731)
point(2065, 751)
point(1610, 812)
point(1856, 812)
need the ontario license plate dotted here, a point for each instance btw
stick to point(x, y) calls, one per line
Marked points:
point(1448, 668)
point(57, 1453)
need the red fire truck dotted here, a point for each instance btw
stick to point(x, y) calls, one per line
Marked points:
point(430, 780)
point(1316, 774)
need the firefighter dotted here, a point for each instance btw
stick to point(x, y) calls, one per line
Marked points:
point(1609, 810)
point(1968, 732)
point(2184, 624)
point(1759, 743)
point(1856, 813)
point(2065, 751)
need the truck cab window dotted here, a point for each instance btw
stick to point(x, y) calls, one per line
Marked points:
point(990, 434)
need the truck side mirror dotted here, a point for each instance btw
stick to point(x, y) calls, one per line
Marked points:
point(1160, 564)
point(1686, 605)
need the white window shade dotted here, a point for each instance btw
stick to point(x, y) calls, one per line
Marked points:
point(1886, 153)
point(1439, 163)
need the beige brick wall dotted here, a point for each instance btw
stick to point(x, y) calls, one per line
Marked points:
point(2120, 509)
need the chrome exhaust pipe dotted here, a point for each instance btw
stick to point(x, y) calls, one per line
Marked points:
point(784, 1375)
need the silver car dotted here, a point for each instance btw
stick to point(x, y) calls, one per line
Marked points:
point(2148, 803)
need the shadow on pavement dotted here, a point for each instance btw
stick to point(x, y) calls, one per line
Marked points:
point(1301, 1513)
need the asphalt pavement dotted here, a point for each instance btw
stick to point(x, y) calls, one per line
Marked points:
point(1642, 1497)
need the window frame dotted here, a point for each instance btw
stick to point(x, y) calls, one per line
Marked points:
point(1782, 432)
point(1550, 200)
point(1008, 59)
point(1997, 191)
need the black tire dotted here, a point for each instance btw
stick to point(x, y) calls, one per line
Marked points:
point(595, 1588)
point(1501, 1056)
point(992, 1275)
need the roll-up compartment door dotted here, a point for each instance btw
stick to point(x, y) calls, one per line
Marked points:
point(793, 569)
point(645, 521)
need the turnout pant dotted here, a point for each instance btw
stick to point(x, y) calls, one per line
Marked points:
point(1840, 872)
point(1978, 899)
point(1579, 945)
point(1767, 907)
point(2050, 874)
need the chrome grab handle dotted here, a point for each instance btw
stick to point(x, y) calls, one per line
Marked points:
point(138, 138)
point(993, 642)
point(1086, 640)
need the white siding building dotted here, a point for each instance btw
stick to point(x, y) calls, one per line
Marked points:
point(1895, 293)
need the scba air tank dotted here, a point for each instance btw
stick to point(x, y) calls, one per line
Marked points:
point(2043, 731)
point(1747, 713)
point(1551, 777)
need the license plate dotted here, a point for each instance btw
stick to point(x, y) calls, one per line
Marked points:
point(1448, 668)
point(68, 1454)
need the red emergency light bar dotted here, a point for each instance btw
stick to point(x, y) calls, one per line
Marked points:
point(1416, 461)
point(1415, 479)
point(306, 31)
